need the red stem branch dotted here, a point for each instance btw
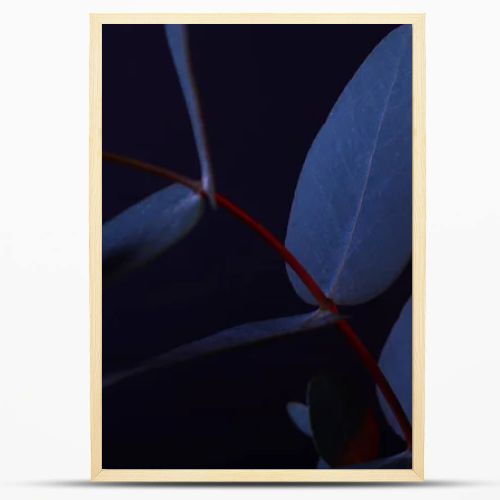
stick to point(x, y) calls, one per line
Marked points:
point(369, 362)
point(323, 301)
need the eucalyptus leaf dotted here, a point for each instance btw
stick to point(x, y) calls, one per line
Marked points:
point(396, 363)
point(338, 407)
point(146, 229)
point(299, 415)
point(178, 41)
point(350, 222)
point(336, 422)
point(238, 336)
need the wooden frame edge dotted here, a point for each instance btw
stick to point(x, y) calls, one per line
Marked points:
point(300, 476)
point(419, 244)
point(257, 18)
point(95, 252)
point(98, 474)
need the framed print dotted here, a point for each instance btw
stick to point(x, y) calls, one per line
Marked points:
point(257, 247)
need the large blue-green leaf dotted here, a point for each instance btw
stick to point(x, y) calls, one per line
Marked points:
point(238, 336)
point(350, 223)
point(143, 231)
point(178, 41)
point(396, 363)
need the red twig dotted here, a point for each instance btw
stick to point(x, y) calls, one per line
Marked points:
point(383, 384)
point(324, 302)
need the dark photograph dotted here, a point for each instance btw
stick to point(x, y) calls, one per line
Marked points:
point(257, 246)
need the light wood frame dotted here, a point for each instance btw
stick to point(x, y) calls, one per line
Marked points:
point(249, 475)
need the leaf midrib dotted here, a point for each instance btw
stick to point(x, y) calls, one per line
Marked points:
point(335, 281)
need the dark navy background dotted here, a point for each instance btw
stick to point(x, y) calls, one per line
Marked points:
point(265, 91)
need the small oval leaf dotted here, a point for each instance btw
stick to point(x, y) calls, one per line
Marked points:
point(145, 230)
point(331, 428)
point(344, 427)
point(350, 222)
point(238, 336)
point(396, 363)
point(299, 415)
point(178, 41)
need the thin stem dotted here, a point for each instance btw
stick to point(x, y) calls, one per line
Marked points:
point(369, 362)
point(323, 301)
point(372, 367)
point(154, 169)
